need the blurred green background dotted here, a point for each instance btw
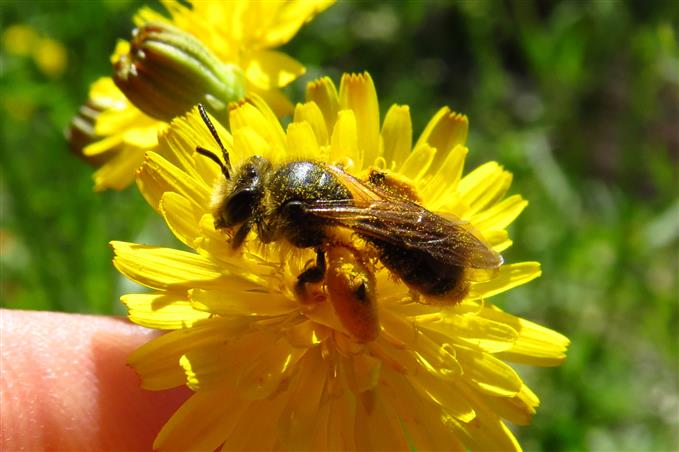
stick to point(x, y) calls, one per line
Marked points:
point(580, 100)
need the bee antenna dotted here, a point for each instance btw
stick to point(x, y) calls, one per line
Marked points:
point(213, 131)
point(211, 155)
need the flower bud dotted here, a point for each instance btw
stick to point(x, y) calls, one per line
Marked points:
point(81, 131)
point(165, 71)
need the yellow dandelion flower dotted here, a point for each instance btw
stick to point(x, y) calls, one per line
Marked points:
point(19, 39)
point(50, 55)
point(217, 52)
point(274, 370)
point(122, 135)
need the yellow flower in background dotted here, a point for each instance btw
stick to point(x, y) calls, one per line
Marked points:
point(49, 55)
point(272, 372)
point(122, 135)
point(19, 39)
point(244, 33)
point(216, 52)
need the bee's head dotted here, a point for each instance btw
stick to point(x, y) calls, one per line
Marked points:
point(240, 198)
point(236, 199)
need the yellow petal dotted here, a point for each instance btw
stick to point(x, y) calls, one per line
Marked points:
point(418, 162)
point(310, 113)
point(498, 240)
point(501, 214)
point(537, 345)
point(248, 115)
point(235, 300)
point(509, 276)
point(324, 314)
point(241, 18)
point(146, 14)
point(104, 90)
point(344, 141)
point(215, 365)
point(485, 185)
point(255, 18)
point(439, 191)
point(164, 268)
point(501, 246)
point(254, 431)
point(291, 18)
point(324, 94)
point(415, 412)
point(397, 135)
point(445, 130)
point(216, 420)
point(399, 330)
point(157, 176)
point(363, 372)
point(268, 69)
point(263, 376)
point(182, 217)
point(491, 375)
point(298, 425)
point(340, 431)
point(518, 410)
point(122, 117)
point(157, 361)
point(166, 311)
point(209, 368)
point(142, 137)
point(269, 115)
point(302, 144)
point(104, 145)
point(118, 173)
point(178, 143)
point(380, 417)
point(485, 433)
point(320, 439)
point(276, 99)
point(212, 242)
point(445, 394)
point(307, 334)
point(357, 93)
point(437, 355)
point(489, 335)
point(250, 143)
point(397, 358)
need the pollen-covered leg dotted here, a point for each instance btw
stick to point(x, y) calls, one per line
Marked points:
point(311, 275)
point(351, 288)
point(393, 183)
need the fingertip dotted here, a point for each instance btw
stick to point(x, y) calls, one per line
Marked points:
point(66, 384)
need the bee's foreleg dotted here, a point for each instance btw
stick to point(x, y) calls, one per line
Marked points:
point(311, 275)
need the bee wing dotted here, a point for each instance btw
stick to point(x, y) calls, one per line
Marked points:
point(410, 226)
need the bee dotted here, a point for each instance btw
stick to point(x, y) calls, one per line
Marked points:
point(316, 205)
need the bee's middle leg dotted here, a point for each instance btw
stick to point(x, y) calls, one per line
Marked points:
point(311, 275)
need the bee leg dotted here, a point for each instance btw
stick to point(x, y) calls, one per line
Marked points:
point(393, 183)
point(311, 275)
point(241, 234)
point(351, 288)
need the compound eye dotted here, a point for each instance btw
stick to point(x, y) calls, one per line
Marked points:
point(239, 207)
